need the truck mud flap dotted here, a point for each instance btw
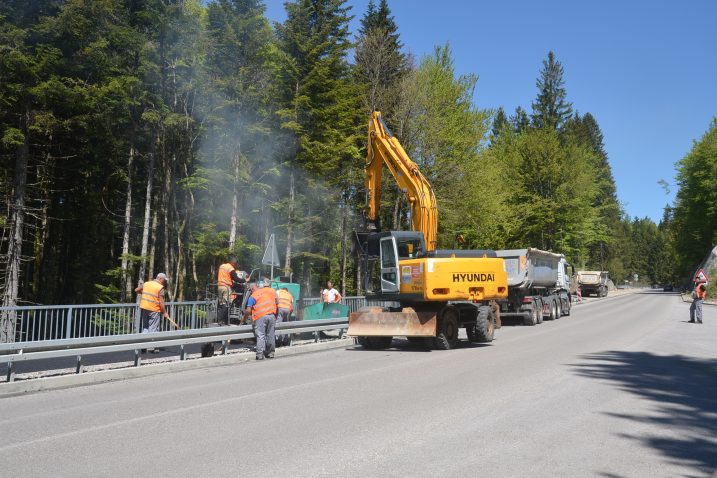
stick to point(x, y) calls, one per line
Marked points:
point(375, 322)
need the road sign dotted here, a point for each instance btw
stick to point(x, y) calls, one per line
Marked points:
point(700, 276)
point(271, 257)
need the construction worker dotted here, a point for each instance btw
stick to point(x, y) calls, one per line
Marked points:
point(152, 305)
point(226, 278)
point(262, 305)
point(698, 298)
point(330, 295)
point(286, 307)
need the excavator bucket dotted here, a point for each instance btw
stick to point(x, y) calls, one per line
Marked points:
point(375, 322)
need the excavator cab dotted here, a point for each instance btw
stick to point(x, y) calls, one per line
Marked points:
point(380, 252)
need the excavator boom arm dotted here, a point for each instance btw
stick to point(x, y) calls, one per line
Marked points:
point(384, 148)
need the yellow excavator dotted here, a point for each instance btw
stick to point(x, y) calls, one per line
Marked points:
point(426, 294)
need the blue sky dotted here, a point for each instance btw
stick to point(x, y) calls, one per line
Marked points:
point(646, 70)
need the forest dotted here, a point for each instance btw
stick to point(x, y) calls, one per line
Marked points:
point(139, 136)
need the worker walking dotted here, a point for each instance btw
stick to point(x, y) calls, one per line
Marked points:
point(330, 295)
point(285, 307)
point(226, 278)
point(262, 305)
point(152, 305)
point(698, 297)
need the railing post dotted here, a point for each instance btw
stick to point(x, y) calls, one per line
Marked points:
point(137, 358)
point(11, 371)
point(78, 368)
point(68, 323)
point(136, 320)
point(182, 352)
point(194, 316)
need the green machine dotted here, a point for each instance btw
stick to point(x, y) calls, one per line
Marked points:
point(325, 311)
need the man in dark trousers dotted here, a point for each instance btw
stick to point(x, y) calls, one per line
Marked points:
point(152, 305)
point(698, 298)
point(262, 305)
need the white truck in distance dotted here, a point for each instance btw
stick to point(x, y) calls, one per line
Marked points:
point(593, 282)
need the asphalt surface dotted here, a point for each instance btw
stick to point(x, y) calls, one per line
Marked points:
point(622, 388)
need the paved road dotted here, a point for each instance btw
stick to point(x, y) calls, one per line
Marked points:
point(622, 388)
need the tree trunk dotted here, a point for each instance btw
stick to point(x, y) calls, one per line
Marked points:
point(45, 177)
point(290, 226)
point(126, 264)
point(147, 213)
point(235, 202)
point(344, 210)
point(17, 223)
point(153, 244)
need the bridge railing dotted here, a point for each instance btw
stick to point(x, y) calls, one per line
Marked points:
point(52, 322)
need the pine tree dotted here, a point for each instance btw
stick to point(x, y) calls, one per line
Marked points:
point(500, 123)
point(550, 108)
point(379, 62)
point(321, 110)
point(519, 120)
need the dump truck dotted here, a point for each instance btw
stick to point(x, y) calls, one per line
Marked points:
point(538, 285)
point(435, 292)
point(593, 283)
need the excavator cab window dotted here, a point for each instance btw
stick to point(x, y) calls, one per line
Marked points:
point(389, 265)
point(409, 248)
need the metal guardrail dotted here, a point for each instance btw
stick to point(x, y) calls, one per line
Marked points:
point(43, 322)
point(353, 302)
point(13, 353)
point(40, 323)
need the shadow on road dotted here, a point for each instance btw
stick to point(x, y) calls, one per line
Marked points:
point(683, 392)
point(402, 345)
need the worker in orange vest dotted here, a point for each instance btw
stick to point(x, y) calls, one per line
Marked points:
point(226, 278)
point(698, 298)
point(152, 305)
point(262, 305)
point(286, 307)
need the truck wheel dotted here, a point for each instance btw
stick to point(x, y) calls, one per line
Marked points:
point(553, 311)
point(566, 309)
point(558, 308)
point(532, 319)
point(447, 330)
point(375, 343)
point(484, 328)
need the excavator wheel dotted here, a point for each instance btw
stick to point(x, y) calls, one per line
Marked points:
point(447, 330)
point(375, 343)
point(484, 328)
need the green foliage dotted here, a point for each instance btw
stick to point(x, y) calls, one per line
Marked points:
point(694, 216)
point(227, 109)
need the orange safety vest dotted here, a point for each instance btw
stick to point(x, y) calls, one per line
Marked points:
point(224, 277)
point(150, 296)
point(286, 300)
point(265, 303)
point(700, 291)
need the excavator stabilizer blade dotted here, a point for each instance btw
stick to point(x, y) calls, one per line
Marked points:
point(375, 322)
